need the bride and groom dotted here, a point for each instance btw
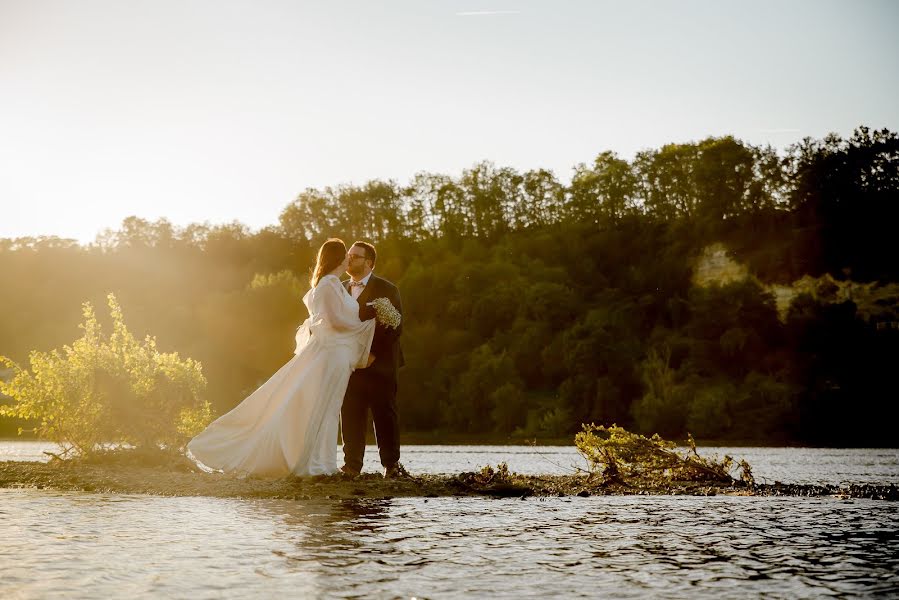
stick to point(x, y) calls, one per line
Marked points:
point(344, 365)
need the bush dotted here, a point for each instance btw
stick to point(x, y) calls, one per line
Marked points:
point(106, 390)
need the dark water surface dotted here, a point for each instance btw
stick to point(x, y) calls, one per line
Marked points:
point(59, 545)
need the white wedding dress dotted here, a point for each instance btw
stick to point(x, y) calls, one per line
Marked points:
point(289, 424)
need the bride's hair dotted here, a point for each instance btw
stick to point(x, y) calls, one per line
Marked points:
point(330, 255)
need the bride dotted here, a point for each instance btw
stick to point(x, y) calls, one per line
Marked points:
point(289, 425)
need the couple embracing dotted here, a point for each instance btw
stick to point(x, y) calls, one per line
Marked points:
point(345, 364)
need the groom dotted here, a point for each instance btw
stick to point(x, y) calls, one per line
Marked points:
point(373, 388)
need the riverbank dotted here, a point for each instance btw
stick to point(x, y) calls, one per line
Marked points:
point(182, 480)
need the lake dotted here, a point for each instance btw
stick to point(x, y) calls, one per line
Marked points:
point(87, 545)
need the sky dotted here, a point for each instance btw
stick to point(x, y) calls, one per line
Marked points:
point(215, 111)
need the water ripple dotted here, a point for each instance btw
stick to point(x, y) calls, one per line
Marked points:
point(91, 545)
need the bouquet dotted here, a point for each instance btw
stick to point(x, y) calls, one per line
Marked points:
point(386, 313)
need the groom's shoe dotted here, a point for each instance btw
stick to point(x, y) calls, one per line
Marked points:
point(349, 472)
point(396, 471)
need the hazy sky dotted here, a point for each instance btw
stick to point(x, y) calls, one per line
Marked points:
point(199, 110)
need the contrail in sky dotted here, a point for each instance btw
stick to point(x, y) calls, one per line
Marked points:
point(483, 13)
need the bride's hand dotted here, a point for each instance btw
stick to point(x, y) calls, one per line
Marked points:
point(371, 359)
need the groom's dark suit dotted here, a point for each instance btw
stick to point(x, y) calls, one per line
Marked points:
point(375, 387)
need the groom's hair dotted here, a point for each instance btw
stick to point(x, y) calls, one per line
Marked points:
point(370, 253)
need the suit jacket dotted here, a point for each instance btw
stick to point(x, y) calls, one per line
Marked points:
point(386, 344)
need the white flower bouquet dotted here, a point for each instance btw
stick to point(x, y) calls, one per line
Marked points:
point(386, 313)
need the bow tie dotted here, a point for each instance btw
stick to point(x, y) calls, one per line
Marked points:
point(355, 283)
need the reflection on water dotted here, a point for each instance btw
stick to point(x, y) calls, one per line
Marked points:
point(92, 545)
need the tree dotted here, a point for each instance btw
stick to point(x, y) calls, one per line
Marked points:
point(604, 192)
point(846, 192)
point(309, 217)
point(490, 197)
point(667, 182)
point(541, 201)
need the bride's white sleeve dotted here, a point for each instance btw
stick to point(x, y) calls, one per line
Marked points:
point(363, 343)
point(344, 317)
point(333, 309)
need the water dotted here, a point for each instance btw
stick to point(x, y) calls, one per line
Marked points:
point(91, 545)
point(80, 545)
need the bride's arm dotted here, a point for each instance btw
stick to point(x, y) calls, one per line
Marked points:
point(334, 310)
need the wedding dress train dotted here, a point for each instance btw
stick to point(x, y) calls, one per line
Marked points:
point(289, 424)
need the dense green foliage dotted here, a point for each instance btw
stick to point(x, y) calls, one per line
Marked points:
point(532, 306)
point(108, 389)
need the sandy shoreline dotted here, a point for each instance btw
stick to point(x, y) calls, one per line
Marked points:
point(164, 480)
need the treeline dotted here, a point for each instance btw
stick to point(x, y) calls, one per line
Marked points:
point(533, 306)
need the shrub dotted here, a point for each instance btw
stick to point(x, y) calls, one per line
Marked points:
point(108, 390)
